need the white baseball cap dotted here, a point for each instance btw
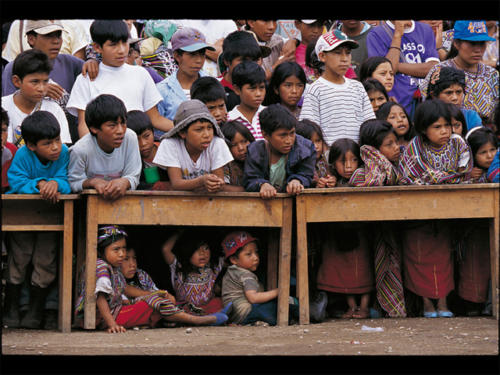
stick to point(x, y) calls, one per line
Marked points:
point(332, 40)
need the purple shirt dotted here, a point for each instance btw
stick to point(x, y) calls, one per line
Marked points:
point(417, 45)
point(64, 72)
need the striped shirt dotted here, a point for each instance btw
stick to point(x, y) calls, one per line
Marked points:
point(338, 109)
point(254, 126)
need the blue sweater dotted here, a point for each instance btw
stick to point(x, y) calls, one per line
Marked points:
point(26, 170)
point(299, 165)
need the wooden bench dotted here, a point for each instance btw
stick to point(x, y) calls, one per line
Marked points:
point(29, 212)
point(186, 208)
point(387, 203)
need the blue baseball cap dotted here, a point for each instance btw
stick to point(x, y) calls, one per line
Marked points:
point(474, 31)
point(189, 39)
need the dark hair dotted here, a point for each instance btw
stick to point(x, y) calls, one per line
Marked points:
point(307, 128)
point(457, 114)
point(444, 77)
point(312, 60)
point(40, 125)
point(5, 117)
point(248, 72)
point(188, 243)
point(276, 117)
point(30, 62)
point(371, 84)
point(384, 111)
point(207, 89)
point(428, 112)
point(112, 30)
point(370, 65)
point(240, 44)
point(280, 74)
point(480, 137)
point(139, 121)
point(338, 149)
point(101, 245)
point(230, 128)
point(373, 132)
point(104, 107)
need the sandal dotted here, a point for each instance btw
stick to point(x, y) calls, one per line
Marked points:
point(361, 314)
point(348, 314)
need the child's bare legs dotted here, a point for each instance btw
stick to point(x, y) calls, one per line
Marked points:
point(183, 317)
point(442, 305)
point(428, 305)
point(353, 306)
point(363, 312)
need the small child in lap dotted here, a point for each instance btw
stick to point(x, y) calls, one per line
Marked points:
point(152, 176)
point(240, 285)
point(107, 159)
point(39, 167)
point(194, 151)
point(238, 138)
point(283, 161)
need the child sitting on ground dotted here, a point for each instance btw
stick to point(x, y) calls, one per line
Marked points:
point(194, 151)
point(238, 138)
point(310, 130)
point(30, 74)
point(107, 159)
point(113, 312)
point(194, 269)
point(211, 92)
point(249, 83)
point(152, 176)
point(240, 285)
point(283, 161)
point(39, 167)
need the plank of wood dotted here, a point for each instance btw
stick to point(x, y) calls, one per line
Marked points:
point(494, 255)
point(31, 228)
point(284, 263)
point(302, 270)
point(89, 320)
point(272, 259)
point(66, 270)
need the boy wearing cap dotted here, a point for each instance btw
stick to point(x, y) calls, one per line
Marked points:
point(194, 151)
point(481, 80)
point(241, 286)
point(132, 84)
point(339, 105)
point(189, 47)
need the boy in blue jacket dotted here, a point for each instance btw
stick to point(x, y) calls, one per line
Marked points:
point(39, 167)
point(283, 161)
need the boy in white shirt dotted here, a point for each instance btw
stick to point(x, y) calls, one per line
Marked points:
point(132, 84)
point(30, 74)
point(336, 103)
point(194, 151)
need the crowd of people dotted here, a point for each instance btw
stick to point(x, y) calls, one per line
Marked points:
point(259, 106)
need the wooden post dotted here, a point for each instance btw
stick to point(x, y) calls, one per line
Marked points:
point(494, 256)
point(66, 267)
point(302, 271)
point(272, 258)
point(284, 263)
point(90, 263)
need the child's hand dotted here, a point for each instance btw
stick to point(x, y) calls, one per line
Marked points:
point(54, 91)
point(115, 189)
point(98, 184)
point(212, 183)
point(267, 191)
point(294, 187)
point(476, 173)
point(326, 182)
point(116, 328)
point(166, 294)
point(48, 190)
point(91, 67)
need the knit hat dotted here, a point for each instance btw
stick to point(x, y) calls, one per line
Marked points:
point(188, 112)
point(235, 241)
point(443, 75)
point(189, 39)
point(474, 31)
point(332, 40)
point(44, 27)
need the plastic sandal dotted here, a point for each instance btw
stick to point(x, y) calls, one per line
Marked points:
point(430, 314)
point(445, 314)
